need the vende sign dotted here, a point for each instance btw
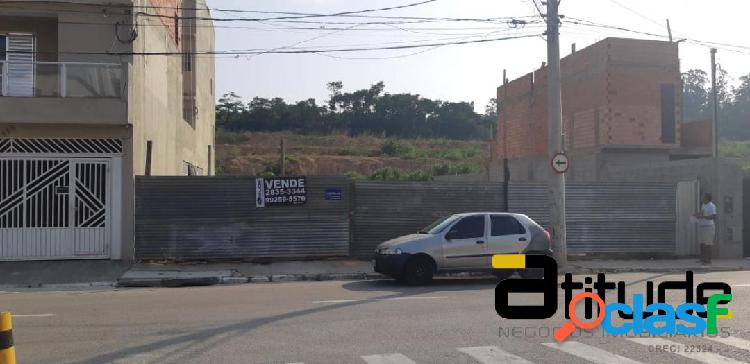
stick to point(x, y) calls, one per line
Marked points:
point(280, 191)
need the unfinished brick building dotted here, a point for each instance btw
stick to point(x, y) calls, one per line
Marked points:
point(622, 101)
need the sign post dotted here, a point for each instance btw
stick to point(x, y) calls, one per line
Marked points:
point(560, 163)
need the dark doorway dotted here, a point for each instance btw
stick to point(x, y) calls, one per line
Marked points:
point(746, 216)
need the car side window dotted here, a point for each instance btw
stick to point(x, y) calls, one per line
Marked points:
point(506, 225)
point(469, 227)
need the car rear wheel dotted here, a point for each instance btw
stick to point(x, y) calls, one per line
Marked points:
point(419, 270)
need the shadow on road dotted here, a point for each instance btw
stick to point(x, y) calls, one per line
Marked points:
point(180, 348)
point(438, 284)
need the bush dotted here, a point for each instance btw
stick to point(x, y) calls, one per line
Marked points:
point(354, 175)
point(386, 174)
point(392, 148)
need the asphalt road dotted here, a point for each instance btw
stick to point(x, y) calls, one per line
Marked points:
point(451, 321)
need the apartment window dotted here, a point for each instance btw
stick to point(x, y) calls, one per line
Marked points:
point(188, 45)
point(17, 57)
point(3, 58)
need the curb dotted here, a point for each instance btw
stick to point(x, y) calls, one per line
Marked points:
point(170, 282)
point(235, 280)
point(105, 284)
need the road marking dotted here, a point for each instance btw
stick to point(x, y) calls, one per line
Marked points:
point(731, 341)
point(382, 299)
point(590, 353)
point(394, 358)
point(740, 285)
point(493, 355)
point(703, 357)
point(37, 315)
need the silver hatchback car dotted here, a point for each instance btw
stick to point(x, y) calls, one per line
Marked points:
point(460, 243)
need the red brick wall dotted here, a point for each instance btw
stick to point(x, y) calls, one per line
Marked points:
point(611, 95)
point(168, 9)
point(697, 134)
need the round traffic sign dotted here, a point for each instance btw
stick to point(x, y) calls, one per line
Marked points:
point(560, 163)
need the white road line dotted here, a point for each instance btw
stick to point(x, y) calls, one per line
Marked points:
point(740, 285)
point(703, 357)
point(394, 358)
point(591, 353)
point(731, 341)
point(337, 301)
point(493, 355)
point(382, 299)
point(37, 315)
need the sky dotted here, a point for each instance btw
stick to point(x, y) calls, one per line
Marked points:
point(468, 72)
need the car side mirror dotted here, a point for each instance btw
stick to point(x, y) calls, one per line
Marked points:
point(450, 235)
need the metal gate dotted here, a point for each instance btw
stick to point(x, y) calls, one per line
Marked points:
point(54, 208)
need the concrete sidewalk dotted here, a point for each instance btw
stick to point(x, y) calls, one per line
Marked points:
point(62, 273)
point(235, 273)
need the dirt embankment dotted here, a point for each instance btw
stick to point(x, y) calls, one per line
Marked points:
point(258, 153)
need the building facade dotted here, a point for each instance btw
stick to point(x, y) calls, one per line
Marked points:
point(622, 122)
point(91, 96)
point(621, 99)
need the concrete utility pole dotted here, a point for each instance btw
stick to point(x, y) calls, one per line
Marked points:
point(554, 113)
point(717, 174)
point(715, 95)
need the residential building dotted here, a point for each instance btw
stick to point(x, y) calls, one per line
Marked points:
point(622, 122)
point(93, 95)
point(621, 100)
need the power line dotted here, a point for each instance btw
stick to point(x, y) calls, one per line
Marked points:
point(659, 24)
point(350, 14)
point(726, 46)
point(538, 9)
point(290, 51)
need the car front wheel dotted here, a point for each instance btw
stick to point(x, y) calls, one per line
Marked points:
point(419, 270)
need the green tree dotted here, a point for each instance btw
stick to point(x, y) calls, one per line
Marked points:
point(229, 110)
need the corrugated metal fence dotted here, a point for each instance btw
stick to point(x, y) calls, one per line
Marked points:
point(385, 210)
point(216, 218)
point(607, 217)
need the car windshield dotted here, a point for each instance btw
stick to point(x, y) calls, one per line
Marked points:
point(438, 225)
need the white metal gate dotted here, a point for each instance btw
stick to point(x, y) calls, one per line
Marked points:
point(55, 208)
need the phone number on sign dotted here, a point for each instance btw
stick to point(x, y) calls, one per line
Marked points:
point(285, 191)
point(286, 199)
point(680, 348)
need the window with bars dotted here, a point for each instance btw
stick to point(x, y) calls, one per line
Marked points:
point(188, 45)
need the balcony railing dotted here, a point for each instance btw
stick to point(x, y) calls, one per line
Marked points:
point(60, 79)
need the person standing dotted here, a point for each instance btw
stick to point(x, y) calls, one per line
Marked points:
point(706, 227)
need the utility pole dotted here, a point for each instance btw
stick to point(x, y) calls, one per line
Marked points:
point(669, 31)
point(554, 114)
point(717, 174)
point(715, 95)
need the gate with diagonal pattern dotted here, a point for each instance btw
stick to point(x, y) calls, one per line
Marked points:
point(54, 208)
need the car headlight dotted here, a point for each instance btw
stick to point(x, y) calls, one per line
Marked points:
point(390, 251)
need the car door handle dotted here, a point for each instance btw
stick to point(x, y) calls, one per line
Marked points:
point(480, 241)
point(522, 239)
